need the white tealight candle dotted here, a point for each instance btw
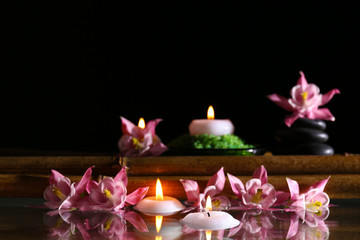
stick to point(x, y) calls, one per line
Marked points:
point(209, 220)
point(217, 127)
point(159, 204)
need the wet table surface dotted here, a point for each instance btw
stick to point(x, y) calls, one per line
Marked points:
point(25, 219)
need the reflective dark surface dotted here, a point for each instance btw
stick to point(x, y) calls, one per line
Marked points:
point(19, 221)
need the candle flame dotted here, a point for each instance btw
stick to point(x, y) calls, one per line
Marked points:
point(208, 204)
point(159, 191)
point(208, 234)
point(158, 222)
point(141, 123)
point(210, 113)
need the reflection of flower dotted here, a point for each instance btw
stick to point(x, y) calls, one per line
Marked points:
point(93, 224)
point(138, 141)
point(110, 194)
point(305, 102)
point(313, 226)
point(257, 192)
point(214, 186)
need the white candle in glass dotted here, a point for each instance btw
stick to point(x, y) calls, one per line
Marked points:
point(217, 127)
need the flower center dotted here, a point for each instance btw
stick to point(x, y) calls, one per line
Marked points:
point(304, 96)
point(108, 224)
point(58, 193)
point(137, 143)
point(314, 207)
point(257, 197)
point(216, 203)
point(107, 193)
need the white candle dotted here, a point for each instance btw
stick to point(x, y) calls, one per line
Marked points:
point(159, 204)
point(211, 125)
point(209, 220)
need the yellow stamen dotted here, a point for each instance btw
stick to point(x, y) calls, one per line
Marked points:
point(318, 213)
point(216, 203)
point(58, 193)
point(304, 95)
point(107, 193)
point(257, 197)
point(108, 224)
point(137, 143)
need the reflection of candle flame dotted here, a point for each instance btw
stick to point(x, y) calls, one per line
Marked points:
point(158, 237)
point(208, 234)
point(158, 222)
point(210, 113)
point(208, 204)
point(159, 191)
point(141, 123)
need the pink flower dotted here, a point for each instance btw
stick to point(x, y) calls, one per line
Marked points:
point(62, 194)
point(314, 200)
point(257, 192)
point(305, 102)
point(214, 186)
point(138, 141)
point(111, 194)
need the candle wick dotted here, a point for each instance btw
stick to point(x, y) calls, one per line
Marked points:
point(208, 214)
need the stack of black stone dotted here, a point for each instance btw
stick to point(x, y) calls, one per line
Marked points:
point(304, 137)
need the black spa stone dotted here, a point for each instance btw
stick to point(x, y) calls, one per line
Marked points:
point(305, 149)
point(309, 123)
point(300, 135)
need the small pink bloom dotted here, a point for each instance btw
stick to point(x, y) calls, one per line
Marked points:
point(61, 193)
point(111, 193)
point(137, 141)
point(305, 102)
point(314, 200)
point(257, 192)
point(214, 186)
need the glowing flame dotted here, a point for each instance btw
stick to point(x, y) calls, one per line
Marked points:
point(141, 123)
point(208, 204)
point(159, 191)
point(208, 234)
point(158, 222)
point(210, 113)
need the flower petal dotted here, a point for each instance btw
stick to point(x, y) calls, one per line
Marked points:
point(261, 174)
point(320, 185)
point(151, 125)
point(136, 220)
point(236, 185)
point(191, 189)
point(290, 119)
point(294, 189)
point(294, 226)
point(280, 101)
point(302, 80)
point(321, 113)
point(329, 95)
point(122, 176)
point(127, 126)
point(252, 186)
point(82, 184)
point(218, 180)
point(135, 197)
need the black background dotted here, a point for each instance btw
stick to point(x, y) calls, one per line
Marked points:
point(73, 68)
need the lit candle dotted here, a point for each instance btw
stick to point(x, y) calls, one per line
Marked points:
point(211, 125)
point(210, 220)
point(159, 204)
